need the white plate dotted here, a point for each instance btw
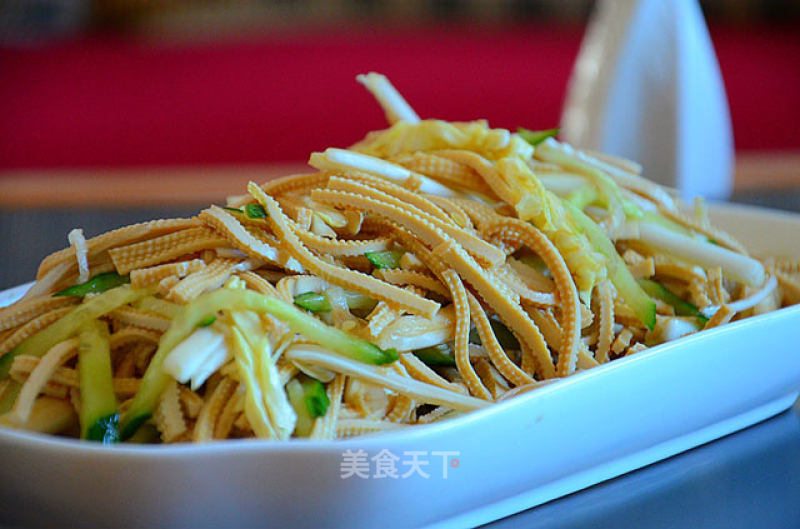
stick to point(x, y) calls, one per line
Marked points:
point(512, 456)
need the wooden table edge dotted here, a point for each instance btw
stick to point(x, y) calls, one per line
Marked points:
point(138, 187)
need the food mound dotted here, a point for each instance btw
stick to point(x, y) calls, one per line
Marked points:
point(429, 270)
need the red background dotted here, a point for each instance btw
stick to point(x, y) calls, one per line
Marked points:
point(114, 101)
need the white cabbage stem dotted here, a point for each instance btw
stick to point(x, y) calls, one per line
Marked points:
point(196, 357)
point(320, 373)
point(410, 332)
point(672, 328)
point(561, 184)
point(415, 389)
point(212, 363)
point(745, 303)
point(735, 266)
point(396, 108)
point(334, 159)
point(78, 241)
point(623, 178)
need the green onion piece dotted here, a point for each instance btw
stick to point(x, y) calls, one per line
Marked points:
point(316, 399)
point(155, 379)
point(98, 414)
point(437, 355)
point(681, 306)
point(636, 298)
point(38, 344)
point(97, 284)
point(319, 302)
point(313, 301)
point(206, 322)
point(385, 259)
point(255, 211)
point(232, 210)
point(535, 137)
point(356, 301)
point(104, 429)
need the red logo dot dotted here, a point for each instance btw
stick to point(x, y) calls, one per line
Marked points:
point(455, 462)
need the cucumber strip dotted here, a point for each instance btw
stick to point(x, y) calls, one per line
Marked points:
point(97, 284)
point(9, 396)
point(535, 137)
point(38, 344)
point(681, 306)
point(385, 259)
point(99, 417)
point(305, 423)
point(657, 218)
point(582, 197)
point(633, 295)
point(155, 379)
point(313, 301)
point(437, 355)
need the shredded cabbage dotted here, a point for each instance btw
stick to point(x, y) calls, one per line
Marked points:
point(266, 406)
point(432, 134)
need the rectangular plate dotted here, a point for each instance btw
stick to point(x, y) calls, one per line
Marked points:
point(482, 466)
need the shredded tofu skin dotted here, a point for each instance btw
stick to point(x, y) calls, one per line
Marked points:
point(427, 271)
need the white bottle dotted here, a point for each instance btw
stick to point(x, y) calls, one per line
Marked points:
point(647, 86)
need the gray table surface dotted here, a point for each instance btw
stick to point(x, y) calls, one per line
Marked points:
point(749, 479)
point(28, 235)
